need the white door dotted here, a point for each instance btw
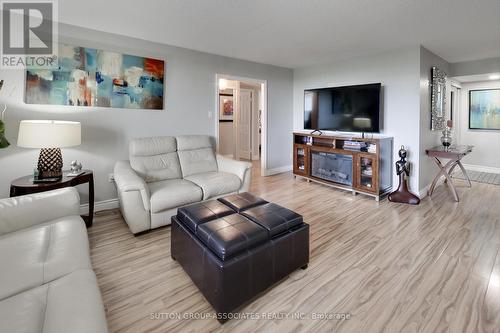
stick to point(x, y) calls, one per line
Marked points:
point(244, 124)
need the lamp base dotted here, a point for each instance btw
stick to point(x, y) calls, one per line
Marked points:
point(50, 163)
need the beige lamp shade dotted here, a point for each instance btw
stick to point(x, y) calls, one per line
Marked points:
point(49, 134)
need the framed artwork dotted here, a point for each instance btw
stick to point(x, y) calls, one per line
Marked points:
point(226, 107)
point(484, 109)
point(97, 78)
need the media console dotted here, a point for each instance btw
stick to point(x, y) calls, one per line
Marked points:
point(359, 165)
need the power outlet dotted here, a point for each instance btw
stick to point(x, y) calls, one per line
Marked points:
point(111, 177)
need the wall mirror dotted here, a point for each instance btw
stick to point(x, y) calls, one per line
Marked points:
point(438, 100)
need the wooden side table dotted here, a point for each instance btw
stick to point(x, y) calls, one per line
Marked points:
point(454, 154)
point(25, 185)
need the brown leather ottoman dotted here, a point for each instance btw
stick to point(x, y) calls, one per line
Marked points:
point(238, 246)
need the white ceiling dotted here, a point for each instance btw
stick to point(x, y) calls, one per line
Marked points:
point(297, 33)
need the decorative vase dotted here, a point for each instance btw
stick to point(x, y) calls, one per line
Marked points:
point(446, 138)
point(50, 163)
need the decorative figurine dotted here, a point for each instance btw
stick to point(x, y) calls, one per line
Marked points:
point(76, 169)
point(402, 194)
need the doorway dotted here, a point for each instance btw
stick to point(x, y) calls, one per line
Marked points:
point(241, 105)
point(455, 106)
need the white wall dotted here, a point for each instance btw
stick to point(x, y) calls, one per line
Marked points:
point(486, 152)
point(398, 71)
point(428, 138)
point(474, 67)
point(190, 92)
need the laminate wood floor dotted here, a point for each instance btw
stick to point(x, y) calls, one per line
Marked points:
point(391, 267)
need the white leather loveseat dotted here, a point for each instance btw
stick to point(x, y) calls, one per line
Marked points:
point(46, 280)
point(165, 173)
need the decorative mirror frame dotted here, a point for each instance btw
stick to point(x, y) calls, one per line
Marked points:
point(438, 79)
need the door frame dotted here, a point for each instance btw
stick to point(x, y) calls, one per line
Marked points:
point(456, 87)
point(264, 118)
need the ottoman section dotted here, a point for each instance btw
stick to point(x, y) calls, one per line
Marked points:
point(242, 201)
point(288, 233)
point(231, 235)
point(275, 219)
point(194, 215)
point(226, 284)
point(290, 251)
point(233, 258)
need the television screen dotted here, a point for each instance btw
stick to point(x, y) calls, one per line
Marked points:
point(349, 109)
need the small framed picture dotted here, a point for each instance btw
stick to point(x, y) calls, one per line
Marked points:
point(226, 107)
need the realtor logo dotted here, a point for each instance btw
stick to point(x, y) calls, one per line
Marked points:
point(29, 33)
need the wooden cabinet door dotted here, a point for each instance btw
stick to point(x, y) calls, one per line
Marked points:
point(366, 172)
point(300, 159)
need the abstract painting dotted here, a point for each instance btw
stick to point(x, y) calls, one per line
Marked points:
point(225, 107)
point(91, 77)
point(484, 109)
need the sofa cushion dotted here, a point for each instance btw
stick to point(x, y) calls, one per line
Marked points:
point(196, 154)
point(69, 304)
point(194, 215)
point(274, 218)
point(34, 256)
point(216, 183)
point(242, 201)
point(155, 158)
point(152, 146)
point(230, 235)
point(25, 211)
point(191, 142)
point(173, 193)
point(157, 167)
point(197, 161)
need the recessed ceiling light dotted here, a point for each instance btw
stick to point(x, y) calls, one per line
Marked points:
point(494, 76)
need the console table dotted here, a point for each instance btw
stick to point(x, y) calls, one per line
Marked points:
point(454, 154)
point(25, 185)
point(352, 163)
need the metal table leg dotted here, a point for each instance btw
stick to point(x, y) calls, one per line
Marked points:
point(443, 171)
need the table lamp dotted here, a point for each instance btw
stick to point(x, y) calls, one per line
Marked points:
point(50, 136)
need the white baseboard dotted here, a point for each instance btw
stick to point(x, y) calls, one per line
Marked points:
point(101, 205)
point(423, 192)
point(481, 168)
point(270, 172)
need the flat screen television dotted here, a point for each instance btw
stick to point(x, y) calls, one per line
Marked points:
point(348, 109)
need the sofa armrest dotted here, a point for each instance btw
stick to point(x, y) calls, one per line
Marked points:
point(127, 180)
point(29, 210)
point(240, 168)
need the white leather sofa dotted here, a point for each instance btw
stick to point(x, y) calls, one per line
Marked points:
point(46, 280)
point(165, 173)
